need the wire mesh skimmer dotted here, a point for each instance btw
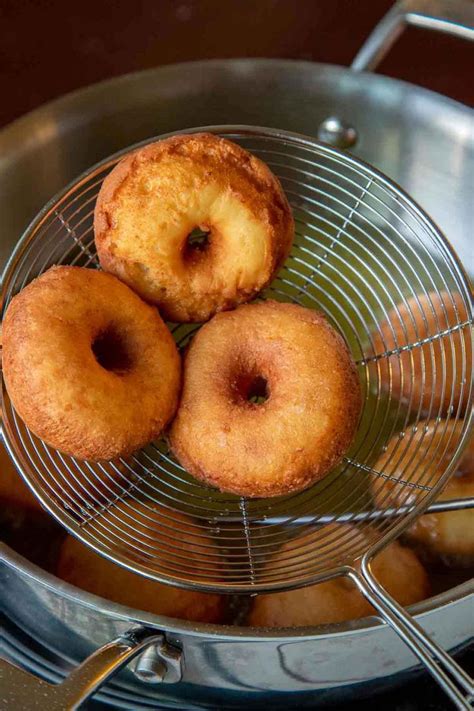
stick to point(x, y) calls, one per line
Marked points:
point(385, 277)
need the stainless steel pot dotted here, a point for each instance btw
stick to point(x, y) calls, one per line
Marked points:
point(212, 662)
point(421, 140)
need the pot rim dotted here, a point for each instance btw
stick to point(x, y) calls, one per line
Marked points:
point(236, 63)
point(25, 568)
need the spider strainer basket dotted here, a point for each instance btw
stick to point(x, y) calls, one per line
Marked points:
point(370, 260)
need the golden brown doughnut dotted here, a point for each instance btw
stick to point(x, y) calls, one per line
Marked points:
point(423, 318)
point(154, 198)
point(294, 357)
point(397, 568)
point(89, 367)
point(448, 535)
point(81, 566)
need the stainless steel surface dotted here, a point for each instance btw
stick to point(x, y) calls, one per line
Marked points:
point(124, 691)
point(435, 507)
point(348, 217)
point(337, 133)
point(457, 684)
point(25, 691)
point(455, 17)
point(451, 505)
point(331, 662)
point(159, 663)
point(362, 248)
point(423, 141)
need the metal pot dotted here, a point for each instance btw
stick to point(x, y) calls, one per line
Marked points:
point(421, 140)
point(211, 664)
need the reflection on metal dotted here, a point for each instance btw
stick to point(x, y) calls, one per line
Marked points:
point(422, 141)
point(221, 659)
point(160, 663)
point(391, 253)
point(337, 133)
point(29, 693)
point(454, 17)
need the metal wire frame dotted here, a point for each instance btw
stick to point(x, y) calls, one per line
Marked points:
point(363, 251)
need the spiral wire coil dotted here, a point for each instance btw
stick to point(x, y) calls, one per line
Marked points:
point(364, 255)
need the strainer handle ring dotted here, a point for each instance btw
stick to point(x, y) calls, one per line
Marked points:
point(456, 683)
point(454, 17)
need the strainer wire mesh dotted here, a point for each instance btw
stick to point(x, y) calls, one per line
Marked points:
point(364, 255)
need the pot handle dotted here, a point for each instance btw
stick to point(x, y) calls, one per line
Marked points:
point(456, 683)
point(455, 17)
point(23, 690)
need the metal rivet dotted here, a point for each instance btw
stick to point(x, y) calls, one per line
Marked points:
point(150, 670)
point(159, 664)
point(337, 132)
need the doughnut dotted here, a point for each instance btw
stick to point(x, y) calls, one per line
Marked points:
point(448, 536)
point(397, 569)
point(82, 567)
point(194, 224)
point(422, 317)
point(13, 489)
point(90, 368)
point(270, 400)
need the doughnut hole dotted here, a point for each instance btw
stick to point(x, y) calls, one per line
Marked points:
point(197, 244)
point(270, 400)
point(157, 202)
point(112, 351)
point(250, 389)
point(110, 364)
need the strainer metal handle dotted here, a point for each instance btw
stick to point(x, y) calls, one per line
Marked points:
point(451, 17)
point(456, 683)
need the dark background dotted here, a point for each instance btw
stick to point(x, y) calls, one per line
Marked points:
point(50, 47)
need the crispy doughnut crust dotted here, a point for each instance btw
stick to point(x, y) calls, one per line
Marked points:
point(446, 536)
point(81, 566)
point(55, 381)
point(293, 438)
point(338, 600)
point(153, 199)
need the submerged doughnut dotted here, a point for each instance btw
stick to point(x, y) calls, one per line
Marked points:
point(152, 202)
point(89, 367)
point(82, 567)
point(449, 535)
point(13, 489)
point(293, 360)
point(418, 373)
point(397, 568)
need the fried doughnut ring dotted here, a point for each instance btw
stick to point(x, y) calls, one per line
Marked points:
point(416, 372)
point(337, 600)
point(82, 567)
point(89, 367)
point(449, 535)
point(154, 198)
point(292, 357)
